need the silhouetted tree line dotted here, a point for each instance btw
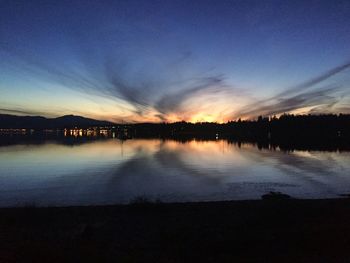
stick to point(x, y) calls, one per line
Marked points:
point(288, 132)
point(291, 126)
point(320, 132)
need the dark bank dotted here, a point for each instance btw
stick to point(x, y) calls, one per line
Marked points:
point(324, 132)
point(270, 230)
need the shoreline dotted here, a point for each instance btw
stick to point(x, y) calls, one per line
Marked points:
point(148, 202)
point(279, 230)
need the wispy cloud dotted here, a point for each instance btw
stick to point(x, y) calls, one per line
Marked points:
point(23, 112)
point(155, 98)
point(307, 94)
point(171, 102)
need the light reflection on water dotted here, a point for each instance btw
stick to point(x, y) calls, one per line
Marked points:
point(111, 171)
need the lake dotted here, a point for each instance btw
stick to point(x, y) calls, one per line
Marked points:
point(110, 171)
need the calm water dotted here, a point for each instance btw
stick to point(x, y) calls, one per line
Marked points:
point(111, 171)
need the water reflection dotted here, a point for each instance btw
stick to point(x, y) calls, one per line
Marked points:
point(114, 171)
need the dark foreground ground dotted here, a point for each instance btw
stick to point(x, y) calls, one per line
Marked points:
point(241, 231)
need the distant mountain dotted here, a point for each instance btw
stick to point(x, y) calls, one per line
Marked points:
point(38, 122)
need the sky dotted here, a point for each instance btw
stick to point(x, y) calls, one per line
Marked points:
point(156, 61)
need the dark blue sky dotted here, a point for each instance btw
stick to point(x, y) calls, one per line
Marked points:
point(174, 60)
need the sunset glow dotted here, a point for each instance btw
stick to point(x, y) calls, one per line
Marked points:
point(134, 61)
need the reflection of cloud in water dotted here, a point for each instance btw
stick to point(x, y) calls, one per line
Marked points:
point(317, 169)
point(112, 171)
point(212, 163)
point(163, 173)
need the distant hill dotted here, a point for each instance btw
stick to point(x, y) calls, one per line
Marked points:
point(38, 122)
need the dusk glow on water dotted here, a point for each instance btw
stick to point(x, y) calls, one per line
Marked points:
point(112, 171)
